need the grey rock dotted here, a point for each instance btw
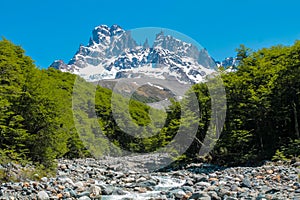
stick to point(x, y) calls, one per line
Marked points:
point(71, 192)
point(17, 187)
point(178, 193)
point(66, 194)
point(189, 183)
point(141, 179)
point(44, 179)
point(272, 191)
point(147, 183)
point(42, 195)
point(261, 197)
point(246, 183)
point(296, 184)
point(231, 198)
point(79, 184)
point(223, 192)
point(187, 189)
point(107, 190)
point(84, 198)
point(200, 196)
point(213, 175)
point(214, 195)
point(203, 184)
point(95, 191)
point(118, 191)
point(86, 193)
point(296, 164)
point(235, 188)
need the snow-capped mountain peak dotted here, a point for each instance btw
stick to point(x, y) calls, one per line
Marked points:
point(103, 33)
point(113, 53)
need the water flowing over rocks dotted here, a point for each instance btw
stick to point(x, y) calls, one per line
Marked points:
point(125, 179)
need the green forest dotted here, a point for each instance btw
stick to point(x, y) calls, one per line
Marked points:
point(37, 113)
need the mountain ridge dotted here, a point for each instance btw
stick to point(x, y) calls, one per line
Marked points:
point(112, 53)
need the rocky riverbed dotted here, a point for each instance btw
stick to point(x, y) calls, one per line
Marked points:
point(129, 178)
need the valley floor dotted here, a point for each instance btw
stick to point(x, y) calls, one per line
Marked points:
point(131, 178)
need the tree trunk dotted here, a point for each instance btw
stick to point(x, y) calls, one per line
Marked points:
point(260, 135)
point(296, 120)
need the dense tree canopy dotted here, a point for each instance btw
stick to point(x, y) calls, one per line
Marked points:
point(262, 117)
point(263, 106)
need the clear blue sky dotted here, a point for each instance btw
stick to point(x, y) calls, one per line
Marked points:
point(51, 29)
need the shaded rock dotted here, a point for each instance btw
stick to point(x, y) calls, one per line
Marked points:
point(214, 195)
point(246, 183)
point(178, 193)
point(147, 183)
point(200, 196)
point(107, 190)
point(118, 191)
